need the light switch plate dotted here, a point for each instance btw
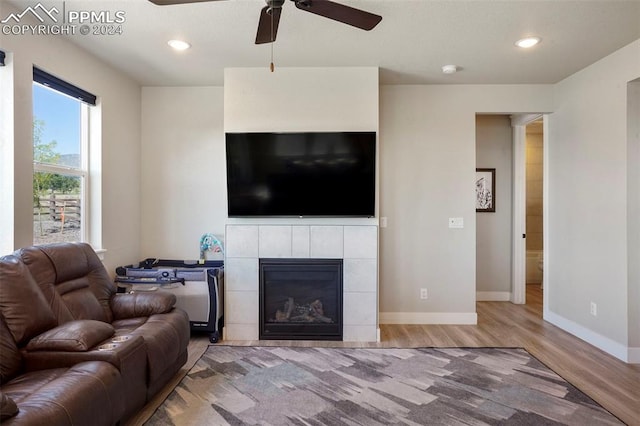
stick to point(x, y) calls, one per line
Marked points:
point(456, 222)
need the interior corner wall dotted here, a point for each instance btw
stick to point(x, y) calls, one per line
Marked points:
point(7, 170)
point(587, 202)
point(633, 212)
point(427, 171)
point(119, 105)
point(183, 190)
point(16, 113)
point(494, 149)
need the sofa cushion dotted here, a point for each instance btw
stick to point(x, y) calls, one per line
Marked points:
point(78, 263)
point(22, 304)
point(89, 393)
point(80, 301)
point(73, 278)
point(44, 273)
point(74, 336)
point(132, 305)
point(10, 358)
point(167, 337)
point(8, 407)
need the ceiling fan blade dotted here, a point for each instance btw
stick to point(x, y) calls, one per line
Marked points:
point(265, 33)
point(172, 2)
point(339, 12)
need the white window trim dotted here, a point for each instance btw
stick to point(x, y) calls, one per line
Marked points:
point(82, 171)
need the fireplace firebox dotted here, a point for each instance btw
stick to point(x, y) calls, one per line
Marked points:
point(300, 299)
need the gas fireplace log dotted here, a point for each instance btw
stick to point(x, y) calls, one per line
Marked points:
point(288, 309)
point(322, 318)
point(303, 318)
point(316, 308)
point(312, 312)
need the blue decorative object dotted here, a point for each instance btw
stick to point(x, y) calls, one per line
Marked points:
point(209, 242)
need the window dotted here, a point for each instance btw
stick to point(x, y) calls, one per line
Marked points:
point(60, 160)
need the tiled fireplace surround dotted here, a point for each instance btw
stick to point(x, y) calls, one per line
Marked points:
point(357, 245)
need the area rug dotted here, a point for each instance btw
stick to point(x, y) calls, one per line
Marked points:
point(233, 385)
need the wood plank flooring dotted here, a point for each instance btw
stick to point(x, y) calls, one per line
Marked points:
point(612, 383)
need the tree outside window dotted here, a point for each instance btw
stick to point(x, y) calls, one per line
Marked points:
point(58, 178)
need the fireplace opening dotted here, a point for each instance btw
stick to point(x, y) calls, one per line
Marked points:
point(300, 299)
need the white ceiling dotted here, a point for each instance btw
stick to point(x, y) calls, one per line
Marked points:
point(411, 44)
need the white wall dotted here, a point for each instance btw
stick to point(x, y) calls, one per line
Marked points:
point(15, 107)
point(300, 99)
point(494, 149)
point(427, 174)
point(303, 99)
point(116, 176)
point(183, 170)
point(633, 211)
point(588, 195)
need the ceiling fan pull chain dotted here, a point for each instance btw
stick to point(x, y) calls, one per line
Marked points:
point(271, 66)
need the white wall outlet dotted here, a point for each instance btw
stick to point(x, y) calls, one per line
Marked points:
point(424, 294)
point(456, 222)
point(593, 309)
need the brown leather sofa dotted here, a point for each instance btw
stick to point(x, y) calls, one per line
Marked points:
point(72, 350)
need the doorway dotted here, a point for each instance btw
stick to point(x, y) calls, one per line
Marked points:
point(501, 144)
point(536, 126)
point(534, 202)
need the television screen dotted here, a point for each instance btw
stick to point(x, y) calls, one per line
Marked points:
point(301, 174)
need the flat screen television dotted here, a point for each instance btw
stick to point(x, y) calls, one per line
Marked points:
point(313, 174)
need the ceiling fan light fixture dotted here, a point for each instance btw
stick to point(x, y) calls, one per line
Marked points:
point(528, 42)
point(179, 44)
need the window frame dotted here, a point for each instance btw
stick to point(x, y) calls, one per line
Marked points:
point(83, 171)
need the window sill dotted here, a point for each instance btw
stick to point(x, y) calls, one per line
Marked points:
point(100, 253)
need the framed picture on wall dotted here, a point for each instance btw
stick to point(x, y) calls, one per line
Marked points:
point(485, 190)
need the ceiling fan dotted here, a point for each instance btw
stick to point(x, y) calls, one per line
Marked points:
point(270, 15)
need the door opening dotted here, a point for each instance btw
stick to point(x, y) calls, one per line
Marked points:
point(534, 203)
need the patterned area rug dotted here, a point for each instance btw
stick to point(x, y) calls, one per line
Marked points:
point(233, 385)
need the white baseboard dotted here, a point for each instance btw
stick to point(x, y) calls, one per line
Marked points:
point(493, 296)
point(618, 350)
point(450, 318)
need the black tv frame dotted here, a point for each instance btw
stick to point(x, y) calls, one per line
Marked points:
point(301, 174)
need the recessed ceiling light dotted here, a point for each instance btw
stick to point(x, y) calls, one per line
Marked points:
point(449, 69)
point(528, 42)
point(179, 44)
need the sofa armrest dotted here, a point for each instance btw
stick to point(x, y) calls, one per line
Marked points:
point(133, 350)
point(132, 305)
point(73, 336)
point(128, 356)
point(8, 407)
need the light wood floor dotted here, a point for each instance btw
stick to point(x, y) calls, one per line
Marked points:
point(612, 383)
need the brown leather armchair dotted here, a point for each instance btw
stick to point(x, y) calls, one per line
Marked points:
point(62, 318)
